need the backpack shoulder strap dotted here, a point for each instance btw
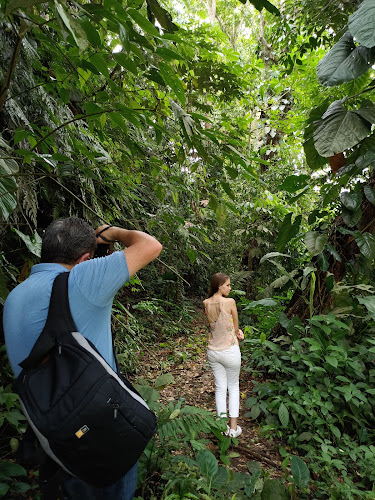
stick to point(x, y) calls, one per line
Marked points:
point(59, 323)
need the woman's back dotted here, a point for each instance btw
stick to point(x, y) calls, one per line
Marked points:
point(222, 334)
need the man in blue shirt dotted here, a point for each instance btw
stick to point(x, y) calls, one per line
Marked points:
point(69, 245)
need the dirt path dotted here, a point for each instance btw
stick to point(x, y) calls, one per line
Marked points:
point(185, 358)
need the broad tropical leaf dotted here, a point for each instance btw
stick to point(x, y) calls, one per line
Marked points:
point(344, 62)
point(351, 199)
point(314, 160)
point(315, 242)
point(339, 129)
point(207, 463)
point(366, 244)
point(369, 193)
point(352, 218)
point(293, 183)
point(369, 303)
point(300, 472)
point(362, 24)
point(288, 230)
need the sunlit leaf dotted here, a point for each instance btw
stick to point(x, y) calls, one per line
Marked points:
point(143, 22)
point(162, 15)
point(34, 244)
point(171, 78)
point(287, 231)
point(192, 254)
point(126, 62)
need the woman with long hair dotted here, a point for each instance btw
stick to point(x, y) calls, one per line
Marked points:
point(223, 351)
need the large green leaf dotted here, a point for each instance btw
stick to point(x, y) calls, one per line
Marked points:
point(163, 16)
point(366, 244)
point(126, 62)
point(264, 4)
point(73, 26)
point(369, 193)
point(315, 242)
point(207, 463)
point(351, 199)
point(34, 244)
point(100, 64)
point(344, 62)
point(143, 22)
point(294, 183)
point(288, 230)
point(10, 469)
point(369, 303)
point(170, 78)
point(313, 158)
point(339, 129)
point(300, 472)
point(367, 110)
point(351, 218)
point(192, 254)
point(220, 478)
point(362, 24)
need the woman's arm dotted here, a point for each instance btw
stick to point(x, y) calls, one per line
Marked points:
point(234, 312)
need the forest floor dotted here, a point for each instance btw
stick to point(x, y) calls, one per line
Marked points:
point(185, 358)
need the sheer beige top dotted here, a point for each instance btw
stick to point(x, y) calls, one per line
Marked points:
point(222, 333)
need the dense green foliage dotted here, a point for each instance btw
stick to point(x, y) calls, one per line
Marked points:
point(240, 134)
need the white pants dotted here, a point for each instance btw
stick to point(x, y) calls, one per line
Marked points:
point(226, 367)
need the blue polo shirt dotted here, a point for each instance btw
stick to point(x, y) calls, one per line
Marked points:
point(92, 287)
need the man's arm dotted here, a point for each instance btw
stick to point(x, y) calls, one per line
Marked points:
point(141, 248)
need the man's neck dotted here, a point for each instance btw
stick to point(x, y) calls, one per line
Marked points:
point(68, 266)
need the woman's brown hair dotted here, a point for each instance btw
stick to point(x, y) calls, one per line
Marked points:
point(217, 280)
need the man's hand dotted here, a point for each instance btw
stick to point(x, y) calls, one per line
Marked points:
point(141, 248)
point(104, 239)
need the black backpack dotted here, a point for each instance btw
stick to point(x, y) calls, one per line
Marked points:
point(88, 419)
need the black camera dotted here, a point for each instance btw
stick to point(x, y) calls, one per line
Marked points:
point(101, 250)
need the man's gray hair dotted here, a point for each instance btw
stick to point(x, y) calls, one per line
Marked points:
point(66, 240)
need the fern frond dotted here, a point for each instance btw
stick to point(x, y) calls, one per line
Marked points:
point(188, 423)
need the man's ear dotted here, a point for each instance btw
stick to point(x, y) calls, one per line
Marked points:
point(83, 258)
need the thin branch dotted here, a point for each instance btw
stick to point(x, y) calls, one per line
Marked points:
point(5, 88)
point(82, 117)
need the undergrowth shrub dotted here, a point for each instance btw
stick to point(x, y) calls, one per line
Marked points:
point(316, 392)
